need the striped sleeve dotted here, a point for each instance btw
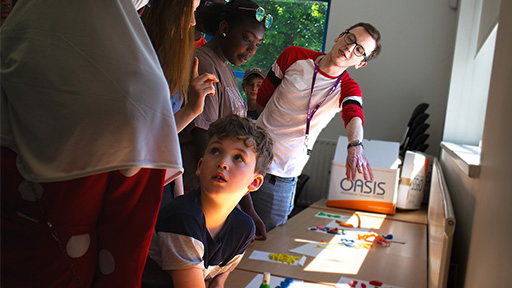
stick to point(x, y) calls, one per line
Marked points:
point(274, 77)
point(351, 100)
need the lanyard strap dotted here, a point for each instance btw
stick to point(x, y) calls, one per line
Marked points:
point(312, 113)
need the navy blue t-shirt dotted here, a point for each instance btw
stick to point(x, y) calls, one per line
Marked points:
point(181, 239)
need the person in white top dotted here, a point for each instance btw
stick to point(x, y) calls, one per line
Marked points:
point(88, 139)
point(301, 94)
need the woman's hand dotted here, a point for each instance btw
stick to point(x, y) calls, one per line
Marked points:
point(199, 88)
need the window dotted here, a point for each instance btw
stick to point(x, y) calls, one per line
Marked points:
point(470, 81)
point(296, 22)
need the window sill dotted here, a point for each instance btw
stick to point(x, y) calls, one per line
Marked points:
point(467, 157)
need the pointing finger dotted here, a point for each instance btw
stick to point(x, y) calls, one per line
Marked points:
point(195, 72)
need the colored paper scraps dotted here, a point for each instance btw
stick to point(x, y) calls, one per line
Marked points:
point(283, 258)
point(335, 229)
point(345, 282)
point(375, 238)
point(278, 258)
point(343, 218)
point(275, 281)
point(280, 282)
point(383, 240)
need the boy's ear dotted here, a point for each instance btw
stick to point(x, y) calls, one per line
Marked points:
point(256, 183)
point(199, 166)
point(361, 64)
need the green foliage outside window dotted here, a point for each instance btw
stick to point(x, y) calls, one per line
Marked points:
point(296, 23)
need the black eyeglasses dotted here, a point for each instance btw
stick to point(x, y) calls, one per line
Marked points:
point(351, 39)
point(260, 15)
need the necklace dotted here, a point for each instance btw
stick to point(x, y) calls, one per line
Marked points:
point(311, 113)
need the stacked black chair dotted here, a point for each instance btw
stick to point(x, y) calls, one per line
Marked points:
point(415, 137)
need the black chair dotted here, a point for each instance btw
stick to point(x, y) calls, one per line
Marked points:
point(417, 122)
point(421, 108)
point(422, 148)
point(421, 129)
point(418, 141)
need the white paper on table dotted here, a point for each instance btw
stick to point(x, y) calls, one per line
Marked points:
point(274, 281)
point(346, 260)
point(264, 256)
point(333, 224)
point(328, 251)
point(344, 283)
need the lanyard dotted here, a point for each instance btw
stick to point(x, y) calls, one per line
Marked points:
point(312, 113)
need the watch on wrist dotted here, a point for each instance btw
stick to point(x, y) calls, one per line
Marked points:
point(357, 143)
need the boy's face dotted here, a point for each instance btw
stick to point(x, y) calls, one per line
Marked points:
point(227, 168)
point(251, 88)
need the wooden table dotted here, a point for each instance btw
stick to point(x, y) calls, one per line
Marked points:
point(412, 216)
point(241, 278)
point(400, 264)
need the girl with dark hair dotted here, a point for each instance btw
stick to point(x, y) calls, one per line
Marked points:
point(238, 28)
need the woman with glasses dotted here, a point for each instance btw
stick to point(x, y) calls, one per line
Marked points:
point(238, 28)
point(300, 95)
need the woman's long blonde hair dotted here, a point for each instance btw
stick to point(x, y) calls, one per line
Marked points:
point(167, 23)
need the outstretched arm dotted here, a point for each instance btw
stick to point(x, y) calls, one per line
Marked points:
point(248, 207)
point(356, 161)
point(185, 278)
point(219, 280)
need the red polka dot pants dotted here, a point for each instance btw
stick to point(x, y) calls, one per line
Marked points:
point(101, 227)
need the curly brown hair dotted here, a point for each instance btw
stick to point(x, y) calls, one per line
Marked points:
point(244, 129)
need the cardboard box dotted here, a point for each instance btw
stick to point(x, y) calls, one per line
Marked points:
point(412, 181)
point(379, 195)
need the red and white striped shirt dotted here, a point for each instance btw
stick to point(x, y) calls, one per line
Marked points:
point(285, 94)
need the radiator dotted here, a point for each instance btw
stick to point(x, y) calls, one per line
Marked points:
point(318, 169)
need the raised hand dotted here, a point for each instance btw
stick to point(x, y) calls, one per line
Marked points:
point(199, 88)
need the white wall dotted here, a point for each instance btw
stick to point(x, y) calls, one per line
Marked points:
point(482, 205)
point(415, 66)
point(418, 39)
point(490, 264)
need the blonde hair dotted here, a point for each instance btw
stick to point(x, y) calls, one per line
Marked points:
point(167, 23)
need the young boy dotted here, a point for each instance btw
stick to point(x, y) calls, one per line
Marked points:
point(250, 84)
point(201, 236)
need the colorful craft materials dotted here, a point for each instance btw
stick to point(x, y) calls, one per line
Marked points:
point(285, 283)
point(376, 238)
point(284, 258)
point(328, 215)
